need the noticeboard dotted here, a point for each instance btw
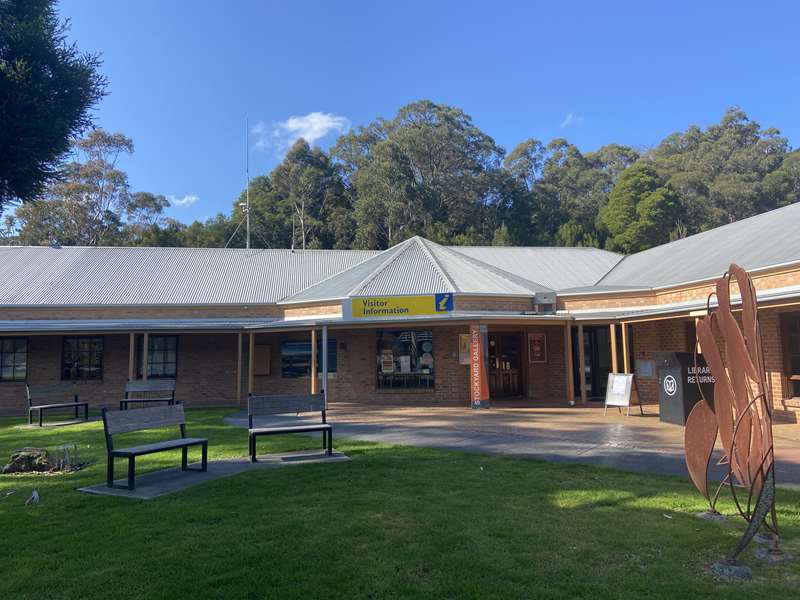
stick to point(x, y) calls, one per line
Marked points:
point(621, 391)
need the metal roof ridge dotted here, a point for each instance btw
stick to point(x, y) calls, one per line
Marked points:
point(615, 265)
point(397, 251)
point(511, 277)
point(437, 265)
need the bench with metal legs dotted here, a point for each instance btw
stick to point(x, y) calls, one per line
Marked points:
point(278, 405)
point(58, 390)
point(117, 422)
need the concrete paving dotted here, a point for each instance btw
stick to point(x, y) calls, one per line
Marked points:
point(555, 433)
point(167, 481)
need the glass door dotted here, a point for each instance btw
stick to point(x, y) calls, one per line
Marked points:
point(597, 360)
point(505, 352)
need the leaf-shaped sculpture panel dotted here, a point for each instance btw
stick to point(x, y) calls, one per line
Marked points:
point(699, 440)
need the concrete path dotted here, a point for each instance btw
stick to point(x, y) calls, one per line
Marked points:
point(167, 481)
point(559, 434)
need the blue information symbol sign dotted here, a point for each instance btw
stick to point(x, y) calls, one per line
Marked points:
point(444, 302)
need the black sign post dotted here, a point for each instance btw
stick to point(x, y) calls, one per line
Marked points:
point(678, 389)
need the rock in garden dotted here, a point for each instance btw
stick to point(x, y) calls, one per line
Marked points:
point(28, 460)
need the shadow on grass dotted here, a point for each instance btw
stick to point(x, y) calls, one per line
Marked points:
point(395, 521)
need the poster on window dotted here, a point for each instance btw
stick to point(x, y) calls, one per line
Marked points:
point(537, 347)
point(387, 362)
point(478, 367)
point(463, 349)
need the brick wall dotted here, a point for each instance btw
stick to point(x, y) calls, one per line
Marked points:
point(547, 382)
point(766, 280)
point(206, 371)
point(356, 377)
point(493, 303)
point(672, 336)
point(656, 336)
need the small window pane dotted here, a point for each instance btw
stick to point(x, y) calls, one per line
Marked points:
point(13, 359)
point(162, 356)
point(82, 358)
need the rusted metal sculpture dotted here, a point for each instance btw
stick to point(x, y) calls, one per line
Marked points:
point(740, 412)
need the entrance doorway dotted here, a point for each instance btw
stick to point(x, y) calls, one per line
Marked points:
point(505, 359)
point(597, 354)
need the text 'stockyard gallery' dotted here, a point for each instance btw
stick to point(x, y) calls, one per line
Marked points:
point(419, 323)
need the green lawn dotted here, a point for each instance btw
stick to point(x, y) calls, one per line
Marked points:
point(395, 522)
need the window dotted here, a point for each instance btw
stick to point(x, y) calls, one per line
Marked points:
point(296, 358)
point(82, 358)
point(405, 359)
point(162, 356)
point(13, 359)
point(791, 351)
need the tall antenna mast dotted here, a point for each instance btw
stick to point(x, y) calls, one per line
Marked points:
point(247, 171)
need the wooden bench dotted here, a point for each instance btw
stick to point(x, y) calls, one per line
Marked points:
point(60, 391)
point(258, 406)
point(148, 391)
point(116, 422)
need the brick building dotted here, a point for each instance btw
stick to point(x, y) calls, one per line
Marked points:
point(387, 327)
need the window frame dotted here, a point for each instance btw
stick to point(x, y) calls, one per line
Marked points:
point(139, 352)
point(333, 358)
point(14, 364)
point(419, 387)
point(74, 376)
point(792, 379)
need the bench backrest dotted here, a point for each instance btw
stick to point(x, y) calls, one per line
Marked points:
point(63, 392)
point(280, 405)
point(126, 421)
point(150, 388)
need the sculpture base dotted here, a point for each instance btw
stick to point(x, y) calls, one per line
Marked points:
point(731, 570)
point(711, 515)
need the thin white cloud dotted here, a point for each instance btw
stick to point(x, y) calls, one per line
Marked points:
point(183, 202)
point(311, 127)
point(572, 119)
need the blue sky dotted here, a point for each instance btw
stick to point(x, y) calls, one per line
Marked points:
point(185, 75)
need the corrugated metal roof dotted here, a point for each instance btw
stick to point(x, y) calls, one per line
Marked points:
point(129, 325)
point(419, 266)
point(770, 238)
point(81, 276)
point(141, 276)
point(411, 271)
point(474, 276)
point(555, 268)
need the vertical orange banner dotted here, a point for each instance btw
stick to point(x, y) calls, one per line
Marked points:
point(478, 380)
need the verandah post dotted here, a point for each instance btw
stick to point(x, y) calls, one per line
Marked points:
point(325, 363)
point(250, 351)
point(239, 368)
point(314, 380)
point(145, 354)
point(568, 361)
point(613, 335)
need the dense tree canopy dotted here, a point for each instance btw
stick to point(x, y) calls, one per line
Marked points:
point(641, 212)
point(431, 171)
point(47, 87)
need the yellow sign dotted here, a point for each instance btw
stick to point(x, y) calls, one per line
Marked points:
point(401, 306)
